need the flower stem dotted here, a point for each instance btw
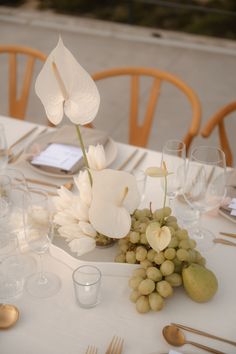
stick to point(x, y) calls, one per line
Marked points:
point(84, 152)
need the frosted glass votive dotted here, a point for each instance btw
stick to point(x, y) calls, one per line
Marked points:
point(87, 282)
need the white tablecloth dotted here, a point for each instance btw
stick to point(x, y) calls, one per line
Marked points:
point(57, 325)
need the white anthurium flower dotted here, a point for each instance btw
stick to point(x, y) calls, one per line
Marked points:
point(156, 172)
point(115, 196)
point(158, 237)
point(64, 86)
point(83, 184)
point(82, 245)
point(96, 157)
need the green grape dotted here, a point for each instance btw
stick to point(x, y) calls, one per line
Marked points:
point(173, 242)
point(170, 253)
point(148, 212)
point(171, 219)
point(145, 220)
point(184, 244)
point(141, 253)
point(140, 272)
point(182, 234)
point(134, 295)
point(151, 254)
point(134, 237)
point(120, 258)
point(133, 220)
point(142, 227)
point(146, 286)
point(139, 214)
point(146, 263)
point(158, 214)
point(192, 256)
point(156, 302)
point(154, 274)
point(134, 282)
point(124, 247)
point(174, 225)
point(172, 230)
point(159, 258)
point(136, 225)
point(142, 304)
point(202, 261)
point(167, 267)
point(166, 211)
point(164, 288)
point(123, 241)
point(174, 279)
point(143, 239)
point(192, 243)
point(182, 254)
point(198, 256)
point(130, 257)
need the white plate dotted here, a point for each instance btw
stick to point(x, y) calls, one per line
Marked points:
point(44, 139)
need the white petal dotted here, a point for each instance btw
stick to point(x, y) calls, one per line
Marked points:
point(109, 220)
point(82, 182)
point(64, 218)
point(96, 157)
point(82, 245)
point(82, 100)
point(109, 185)
point(79, 210)
point(70, 231)
point(158, 237)
point(87, 229)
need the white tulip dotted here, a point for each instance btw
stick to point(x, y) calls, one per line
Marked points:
point(96, 157)
point(82, 245)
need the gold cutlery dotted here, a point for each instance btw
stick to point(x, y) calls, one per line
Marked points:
point(129, 158)
point(229, 234)
point(42, 183)
point(116, 346)
point(174, 336)
point(202, 333)
point(23, 137)
point(91, 350)
point(224, 242)
point(9, 314)
point(138, 162)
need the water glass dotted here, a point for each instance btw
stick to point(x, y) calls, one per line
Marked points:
point(141, 179)
point(3, 149)
point(87, 282)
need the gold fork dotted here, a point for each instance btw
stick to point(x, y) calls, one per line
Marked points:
point(91, 350)
point(116, 346)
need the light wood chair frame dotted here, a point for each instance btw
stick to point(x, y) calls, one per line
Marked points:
point(17, 106)
point(139, 134)
point(218, 120)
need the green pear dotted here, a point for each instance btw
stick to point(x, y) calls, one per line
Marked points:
point(199, 282)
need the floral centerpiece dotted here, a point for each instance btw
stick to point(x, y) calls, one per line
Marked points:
point(107, 202)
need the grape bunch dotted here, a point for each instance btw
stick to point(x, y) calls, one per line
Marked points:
point(161, 271)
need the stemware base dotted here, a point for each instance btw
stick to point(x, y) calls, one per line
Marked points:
point(43, 286)
point(203, 237)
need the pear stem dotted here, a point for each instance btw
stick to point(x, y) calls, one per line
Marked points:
point(84, 153)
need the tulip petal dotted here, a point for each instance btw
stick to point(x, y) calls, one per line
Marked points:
point(82, 245)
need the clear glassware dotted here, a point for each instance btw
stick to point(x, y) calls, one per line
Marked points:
point(3, 149)
point(174, 156)
point(204, 188)
point(39, 233)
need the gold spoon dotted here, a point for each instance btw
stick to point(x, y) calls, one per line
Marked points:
point(9, 314)
point(175, 337)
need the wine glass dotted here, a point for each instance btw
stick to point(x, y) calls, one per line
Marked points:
point(39, 233)
point(174, 157)
point(3, 149)
point(204, 188)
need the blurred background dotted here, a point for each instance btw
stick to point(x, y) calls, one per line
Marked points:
point(192, 39)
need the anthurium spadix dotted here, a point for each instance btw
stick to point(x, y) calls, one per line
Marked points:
point(115, 196)
point(64, 86)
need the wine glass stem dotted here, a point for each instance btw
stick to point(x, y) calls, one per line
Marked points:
point(42, 277)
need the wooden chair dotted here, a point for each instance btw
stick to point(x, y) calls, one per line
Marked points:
point(139, 134)
point(218, 120)
point(17, 105)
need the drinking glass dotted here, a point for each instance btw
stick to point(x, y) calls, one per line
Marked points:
point(3, 149)
point(204, 188)
point(39, 233)
point(174, 157)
